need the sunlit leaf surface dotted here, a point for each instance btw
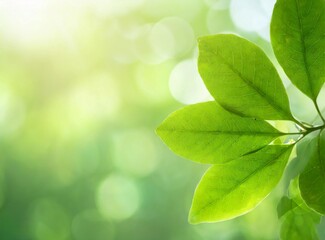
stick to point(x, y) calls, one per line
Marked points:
point(241, 78)
point(297, 33)
point(232, 189)
point(207, 133)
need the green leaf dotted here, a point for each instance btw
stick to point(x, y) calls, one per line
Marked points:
point(232, 189)
point(207, 133)
point(297, 34)
point(297, 222)
point(312, 179)
point(295, 194)
point(241, 78)
point(285, 205)
point(294, 200)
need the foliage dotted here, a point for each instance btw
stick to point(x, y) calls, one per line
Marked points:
point(298, 220)
point(248, 154)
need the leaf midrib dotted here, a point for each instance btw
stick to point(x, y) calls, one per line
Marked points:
point(259, 91)
point(321, 160)
point(223, 132)
point(243, 181)
point(303, 47)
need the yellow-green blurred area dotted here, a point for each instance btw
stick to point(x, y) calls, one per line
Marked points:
point(83, 85)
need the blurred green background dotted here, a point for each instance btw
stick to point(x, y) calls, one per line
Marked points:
point(83, 85)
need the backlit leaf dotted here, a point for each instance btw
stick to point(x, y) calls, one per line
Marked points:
point(298, 40)
point(297, 222)
point(312, 179)
point(241, 78)
point(207, 133)
point(232, 189)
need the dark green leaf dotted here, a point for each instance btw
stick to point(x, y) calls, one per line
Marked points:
point(241, 78)
point(297, 222)
point(232, 189)
point(312, 179)
point(285, 205)
point(298, 40)
point(207, 133)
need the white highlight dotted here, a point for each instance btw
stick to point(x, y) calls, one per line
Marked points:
point(186, 84)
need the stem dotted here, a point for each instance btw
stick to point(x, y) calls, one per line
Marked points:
point(307, 125)
point(300, 124)
point(318, 110)
point(306, 128)
point(305, 133)
point(295, 133)
point(299, 139)
point(314, 129)
point(309, 131)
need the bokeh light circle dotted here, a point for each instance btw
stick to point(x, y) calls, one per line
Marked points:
point(112, 8)
point(217, 4)
point(248, 15)
point(12, 111)
point(118, 197)
point(48, 220)
point(171, 36)
point(219, 21)
point(186, 85)
point(32, 23)
point(137, 160)
point(168, 38)
point(96, 98)
point(185, 9)
point(151, 81)
point(162, 41)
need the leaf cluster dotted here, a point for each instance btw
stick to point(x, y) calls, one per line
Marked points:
point(233, 133)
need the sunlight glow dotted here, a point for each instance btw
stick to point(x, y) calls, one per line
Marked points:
point(12, 112)
point(169, 38)
point(248, 15)
point(186, 84)
point(151, 81)
point(219, 21)
point(253, 16)
point(28, 22)
point(112, 8)
point(95, 99)
point(217, 4)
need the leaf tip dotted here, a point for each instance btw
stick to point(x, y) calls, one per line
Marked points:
point(196, 216)
point(199, 39)
point(160, 128)
point(193, 218)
